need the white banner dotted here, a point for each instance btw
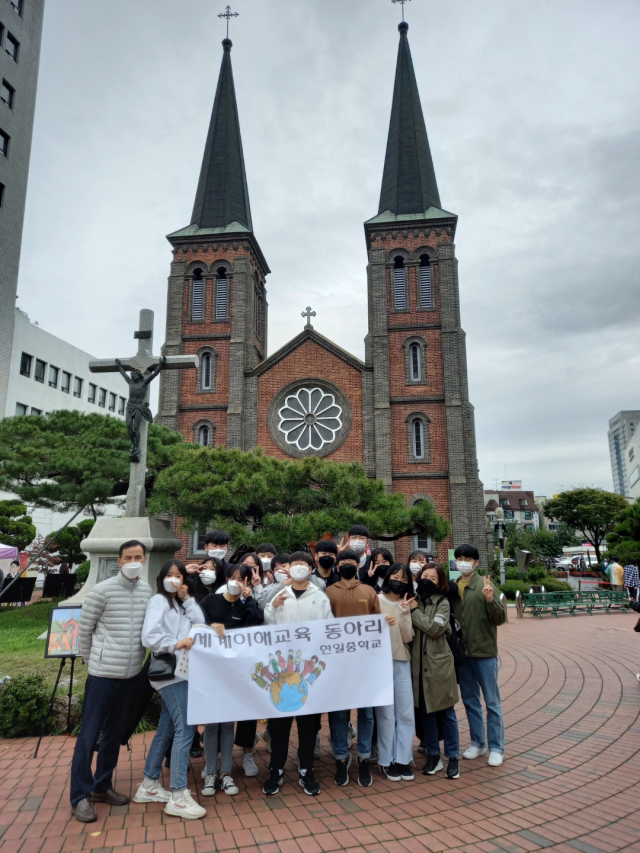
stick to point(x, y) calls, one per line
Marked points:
point(289, 670)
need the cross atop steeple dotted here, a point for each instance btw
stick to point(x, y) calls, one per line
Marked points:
point(308, 313)
point(396, 1)
point(228, 14)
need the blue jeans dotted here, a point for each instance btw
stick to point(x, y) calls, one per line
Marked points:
point(106, 708)
point(218, 737)
point(476, 676)
point(173, 724)
point(339, 726)
point(396, 722)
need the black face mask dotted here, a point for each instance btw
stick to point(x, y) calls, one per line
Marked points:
point(348, 571)
point(326, 561)
point(381, 571)
point(399, 587)
point(426, 588)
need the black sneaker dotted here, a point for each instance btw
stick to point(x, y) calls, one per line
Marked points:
point(365, 779)
point(432, 765)
point(272, 785)
point(406, 773)
point(453, 771)
point(342, 772)
point(309, 784)
point(392, 772)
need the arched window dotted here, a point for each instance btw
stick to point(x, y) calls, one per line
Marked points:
point(422, 542)
point(222, 295)
point(415, 366)
point(399, 285)
point(204, 436)
point(425, 283)
point(418, 438)
point(197, 298)
point(207, 371)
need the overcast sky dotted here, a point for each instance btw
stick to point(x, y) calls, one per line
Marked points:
point(532, 114)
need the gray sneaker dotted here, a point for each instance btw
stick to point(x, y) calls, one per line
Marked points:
point(249, 765)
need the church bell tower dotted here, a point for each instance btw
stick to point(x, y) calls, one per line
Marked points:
point(424, 423)
point(217, 301)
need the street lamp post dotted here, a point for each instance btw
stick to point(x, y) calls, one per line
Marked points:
point(501, 529)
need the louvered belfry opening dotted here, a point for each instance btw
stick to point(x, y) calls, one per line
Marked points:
point(399, 285)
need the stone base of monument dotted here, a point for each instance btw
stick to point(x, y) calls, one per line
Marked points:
point(107, 536)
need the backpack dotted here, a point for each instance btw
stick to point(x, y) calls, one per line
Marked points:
point(456, 643)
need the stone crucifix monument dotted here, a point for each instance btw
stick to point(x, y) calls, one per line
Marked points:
point(156, 534)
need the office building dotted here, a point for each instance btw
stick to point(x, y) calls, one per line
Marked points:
point(621, 429)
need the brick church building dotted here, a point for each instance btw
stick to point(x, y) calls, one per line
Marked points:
point(404, 411)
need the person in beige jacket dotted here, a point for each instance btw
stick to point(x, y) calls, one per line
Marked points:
point(396, 722)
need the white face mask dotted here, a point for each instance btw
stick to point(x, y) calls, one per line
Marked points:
point(233, 587)
point(172, 584)
point(131, 570)
point(415, 568)
point(463, 567)
point(208, 577)
point(281, 577)
point(299, 573)
point(266, 563)
point(357, 545)
point(217, 553)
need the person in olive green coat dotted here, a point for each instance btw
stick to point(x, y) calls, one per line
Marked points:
point(482, 612)
point(435, 691)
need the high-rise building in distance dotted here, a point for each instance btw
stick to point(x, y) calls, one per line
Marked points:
point(621, 427)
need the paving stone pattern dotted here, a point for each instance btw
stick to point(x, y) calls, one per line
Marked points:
point(571, 779)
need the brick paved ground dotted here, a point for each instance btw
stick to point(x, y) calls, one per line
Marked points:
point(571, 779)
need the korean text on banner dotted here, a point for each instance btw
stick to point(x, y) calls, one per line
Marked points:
point(289, 670)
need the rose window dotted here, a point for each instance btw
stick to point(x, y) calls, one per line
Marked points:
point(310, 419)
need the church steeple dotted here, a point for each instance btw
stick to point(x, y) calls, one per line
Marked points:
point(222, 198)
point(409, 182)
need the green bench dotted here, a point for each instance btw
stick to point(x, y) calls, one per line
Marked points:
point(539, 603)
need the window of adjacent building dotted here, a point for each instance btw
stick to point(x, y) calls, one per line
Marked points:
point(65, 385)
point(204, 435)
point(508, 514)
point(399, 285)
point(36, 411)
point(25, 364)
point(1, 32)
point(12, 47)
point(102, 398)
point(112, 401)
point(632, 453)
point(21, 409)
point(77, 387)
point(528, 515)
point(635, 476)
point(91, 396)
point(414, 362)
point(222, 290)
point(2, 189)
point(207, 371)
point(7, 94)
point(417, 431)
point(4, 143)
point(198, 542)
point(426, 288)
point(197, 303)
point(522, 502)
point(40, 371)
point(53, 376)
point(17, 5)
point(121, 405)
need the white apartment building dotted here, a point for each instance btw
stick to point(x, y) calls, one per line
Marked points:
point(622, 428)
point(47, 374)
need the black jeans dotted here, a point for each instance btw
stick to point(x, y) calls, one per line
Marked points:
point(246, 733)
point(280, 728)
point(106, 708)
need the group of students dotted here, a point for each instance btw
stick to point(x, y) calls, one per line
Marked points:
point(443, 640)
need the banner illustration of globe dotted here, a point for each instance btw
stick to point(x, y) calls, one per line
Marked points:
point(288, 681)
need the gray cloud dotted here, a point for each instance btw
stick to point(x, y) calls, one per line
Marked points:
point(533, 121)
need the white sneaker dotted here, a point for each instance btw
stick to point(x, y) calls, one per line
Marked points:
point(495, 759)
point(229, 786)
point(474, 752)
point(184, 806)
point(317, 752)
point(154, 793)
point(266, 737)
point(248, 765)
point(209, 789)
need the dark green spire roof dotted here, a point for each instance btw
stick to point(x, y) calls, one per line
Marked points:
point(409, 181)
point(222, 197)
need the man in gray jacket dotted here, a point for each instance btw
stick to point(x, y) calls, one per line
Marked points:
point(110, 643)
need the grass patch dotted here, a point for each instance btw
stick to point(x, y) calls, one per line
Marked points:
point(23, 653)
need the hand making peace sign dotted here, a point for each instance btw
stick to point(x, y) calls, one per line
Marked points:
point(487, 589)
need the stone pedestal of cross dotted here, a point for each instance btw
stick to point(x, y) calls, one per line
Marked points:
point(144, 367)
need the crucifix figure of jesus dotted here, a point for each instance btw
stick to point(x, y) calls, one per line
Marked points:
point(143, 368)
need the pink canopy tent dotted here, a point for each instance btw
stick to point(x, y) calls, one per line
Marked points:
point(7, 552)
